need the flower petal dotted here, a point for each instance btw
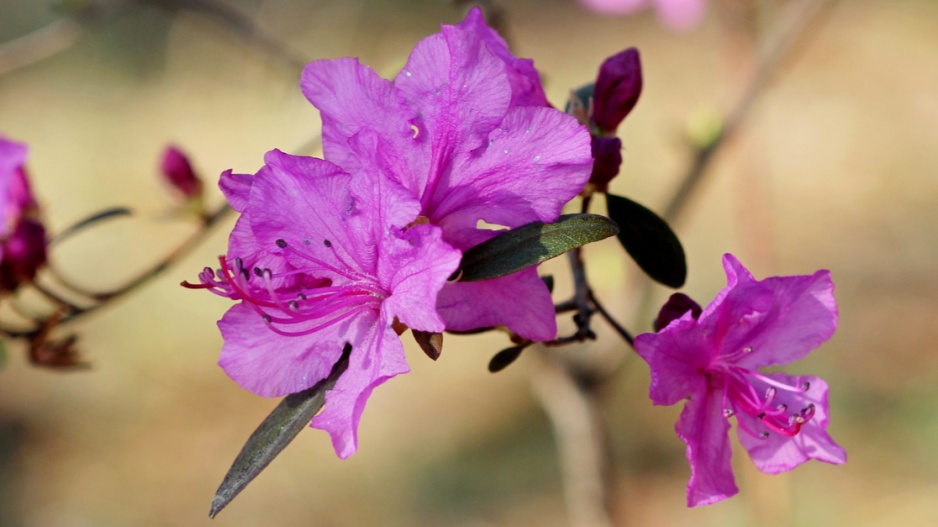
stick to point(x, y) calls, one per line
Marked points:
point(415, 268)
point(526, 88)
point(777, 453)
point(352, 97)
point(519, 301)
point(680, 15)
point(706, 433)
point(273, 365)
point(677, 354)
point(781, 318)
point(535, 162)
point(236, 188)
point(378, 357)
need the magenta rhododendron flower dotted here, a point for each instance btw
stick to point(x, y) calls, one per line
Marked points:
point(713, 362)
point(676, 14)
point(464, 128)
point(319, 259)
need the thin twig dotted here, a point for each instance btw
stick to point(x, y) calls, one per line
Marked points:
point(807, 14)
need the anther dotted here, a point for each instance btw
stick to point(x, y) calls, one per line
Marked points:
point(257, 272)
point(293, 305)
point(805, 386)
point(764, 435)
point(266, 319)
point(300, 296)
point(728, 412)
point(327, 243)
point(282, 243)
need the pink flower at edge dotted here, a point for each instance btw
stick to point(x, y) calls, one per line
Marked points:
point(713, 362)
point(319, 259)
point(679, 15)
point(462, 127)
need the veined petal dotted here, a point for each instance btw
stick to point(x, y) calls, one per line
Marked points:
point(461, 91)
point(536, 161)
point(273, 365)
point(526, 88)
point(676, 355)
point(781, 318)
point(777, 453)
point(519, 301)
point(352, 97)
point(706, 433)
point(417, 266)
point(236, 188)
point(375, 359)
point(306, 202)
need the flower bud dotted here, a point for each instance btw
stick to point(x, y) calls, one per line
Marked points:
point(674, 308)
point(617, 89)
point(177, 171)
point(607, 156)
point(23, 254)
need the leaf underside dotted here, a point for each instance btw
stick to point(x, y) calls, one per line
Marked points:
point(649, 241)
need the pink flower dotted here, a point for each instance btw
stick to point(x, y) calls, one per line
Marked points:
point(23, 239)
point(676, 14)
point(319, 259)
point(713, 362)
point(465, 129)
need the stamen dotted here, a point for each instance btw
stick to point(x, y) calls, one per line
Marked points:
point(282, 243)
point(327, 243)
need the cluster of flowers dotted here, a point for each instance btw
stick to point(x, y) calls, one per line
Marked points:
point(22, 234)
point(355, 248)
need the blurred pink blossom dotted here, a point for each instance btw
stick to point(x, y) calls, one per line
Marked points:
point(676, 14)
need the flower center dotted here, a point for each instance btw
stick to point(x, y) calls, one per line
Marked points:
point(294, 297)
point(762, 397)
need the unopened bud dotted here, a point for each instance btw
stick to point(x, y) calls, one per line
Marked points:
point(607, 157)
point(23, 254)
point(178, 172)
point(617, 89)
point(675, 308)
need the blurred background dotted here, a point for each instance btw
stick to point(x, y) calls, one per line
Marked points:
point(834, 167)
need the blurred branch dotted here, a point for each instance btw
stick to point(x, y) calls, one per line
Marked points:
point(40, 44)
point(572, 405)
point(795, 28)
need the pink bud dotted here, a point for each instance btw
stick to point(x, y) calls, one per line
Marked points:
point(607, 156)
point(617, 89)
point(177, 171)
point(23, 254)
point(674, 308)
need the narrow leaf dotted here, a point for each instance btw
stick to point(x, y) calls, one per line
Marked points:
point(548, 281)
point(649, 241)
point(292, 415)
point(532, 244)
point(504, 358)
point(430, 343)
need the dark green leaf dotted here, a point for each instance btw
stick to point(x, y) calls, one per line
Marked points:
point(430, 343)
point(292, 415)
point(532, 244)
point(649, 241)
point(505, 357)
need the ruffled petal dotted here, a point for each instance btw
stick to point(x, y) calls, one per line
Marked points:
point(415, 268)
point(306, 202)
point(777, 453)
point(534, 163)
point(273, 365)
point(781, 318)
point(519, 301)
point(526, 87)
point(706, 433)
point(461, 91)
point(676, 355)
point(378, 357)
point(236, 188)
point(352, 97)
